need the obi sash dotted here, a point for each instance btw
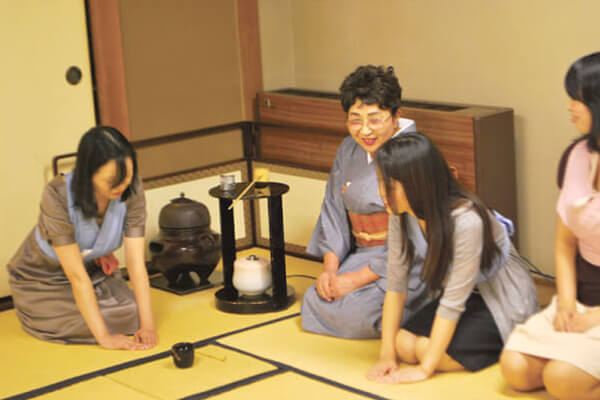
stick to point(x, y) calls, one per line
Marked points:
point(369, 229)
point(94, 241)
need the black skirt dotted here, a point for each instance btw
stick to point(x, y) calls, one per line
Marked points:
point(588, 282)
point(476, 343)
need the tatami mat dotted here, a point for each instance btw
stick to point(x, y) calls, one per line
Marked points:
point(347, 362)
point(288, 386)
point(35, 364)
point(214, 367)
point(97, 389)
point(260, 356)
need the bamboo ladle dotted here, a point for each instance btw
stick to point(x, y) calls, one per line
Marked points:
point(260, 175)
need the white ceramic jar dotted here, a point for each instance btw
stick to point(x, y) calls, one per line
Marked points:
point(251, 275)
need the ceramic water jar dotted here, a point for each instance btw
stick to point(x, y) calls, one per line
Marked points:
point(251, 275)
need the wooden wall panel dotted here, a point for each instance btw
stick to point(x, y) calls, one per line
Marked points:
point(190, 154)
point(493, 180)
point(165, 68)
point(182, 65)
point(299, 147)
point(453, 134)
point(302, 111)
point(476, 140)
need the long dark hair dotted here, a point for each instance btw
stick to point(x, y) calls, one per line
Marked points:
point(582, 83)
point(372, 85)
point(432, 193)
point(98, 146)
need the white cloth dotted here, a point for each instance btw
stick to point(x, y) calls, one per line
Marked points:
point(538, 337)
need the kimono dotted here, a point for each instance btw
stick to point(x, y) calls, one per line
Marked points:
point(352, 188)
point(42, 293)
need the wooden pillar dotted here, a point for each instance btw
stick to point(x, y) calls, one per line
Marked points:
point(249, 54)
point(107, 48)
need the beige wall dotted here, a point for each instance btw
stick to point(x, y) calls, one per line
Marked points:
point(510, 53)
point(300, 212)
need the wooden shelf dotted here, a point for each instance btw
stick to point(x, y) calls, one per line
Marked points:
point(305, 128)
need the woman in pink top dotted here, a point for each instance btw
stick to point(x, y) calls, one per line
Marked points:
point(559, 348)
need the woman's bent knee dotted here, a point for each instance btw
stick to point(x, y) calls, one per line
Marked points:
point(518, 372)
point(565, 381)
point(406, 346)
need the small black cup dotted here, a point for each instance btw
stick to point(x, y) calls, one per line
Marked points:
point(183, 354)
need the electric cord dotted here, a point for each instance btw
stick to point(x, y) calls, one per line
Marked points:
point(536, 271)
point(301, 276)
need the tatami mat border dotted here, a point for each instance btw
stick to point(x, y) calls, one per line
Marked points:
point(134, 363)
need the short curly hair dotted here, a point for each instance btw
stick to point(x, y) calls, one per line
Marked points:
point(372, 85)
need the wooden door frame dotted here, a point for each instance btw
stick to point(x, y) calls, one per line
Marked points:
point(108, 66)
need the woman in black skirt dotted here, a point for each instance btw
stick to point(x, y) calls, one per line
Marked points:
point(479, 286)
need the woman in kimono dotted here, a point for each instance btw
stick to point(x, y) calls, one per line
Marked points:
point(346, 300)
point(65, 283)
point(481, 286)
point(559, 348)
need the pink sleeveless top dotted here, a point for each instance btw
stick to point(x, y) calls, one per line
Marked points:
point(579, 203)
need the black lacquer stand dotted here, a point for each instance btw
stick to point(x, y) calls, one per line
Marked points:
point(281, 295)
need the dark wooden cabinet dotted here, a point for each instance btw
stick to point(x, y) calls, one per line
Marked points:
point(304, 129)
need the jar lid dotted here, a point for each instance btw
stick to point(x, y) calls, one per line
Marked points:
point(184, 213)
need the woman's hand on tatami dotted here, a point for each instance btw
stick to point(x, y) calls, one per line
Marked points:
point(404, 375)
point(121, 342)
point(382, 368)
point(147, 337)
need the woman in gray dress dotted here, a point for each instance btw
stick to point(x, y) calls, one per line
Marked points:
point(65, 283)
point(350, 235)
point(481, 286)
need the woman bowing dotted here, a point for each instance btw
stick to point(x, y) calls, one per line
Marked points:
point(65, 283)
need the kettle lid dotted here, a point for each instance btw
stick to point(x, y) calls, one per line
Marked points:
point(183, 212)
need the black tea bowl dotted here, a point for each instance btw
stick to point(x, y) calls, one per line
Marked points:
point(183, 354)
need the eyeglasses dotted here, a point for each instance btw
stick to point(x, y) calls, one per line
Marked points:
point(373, 123)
